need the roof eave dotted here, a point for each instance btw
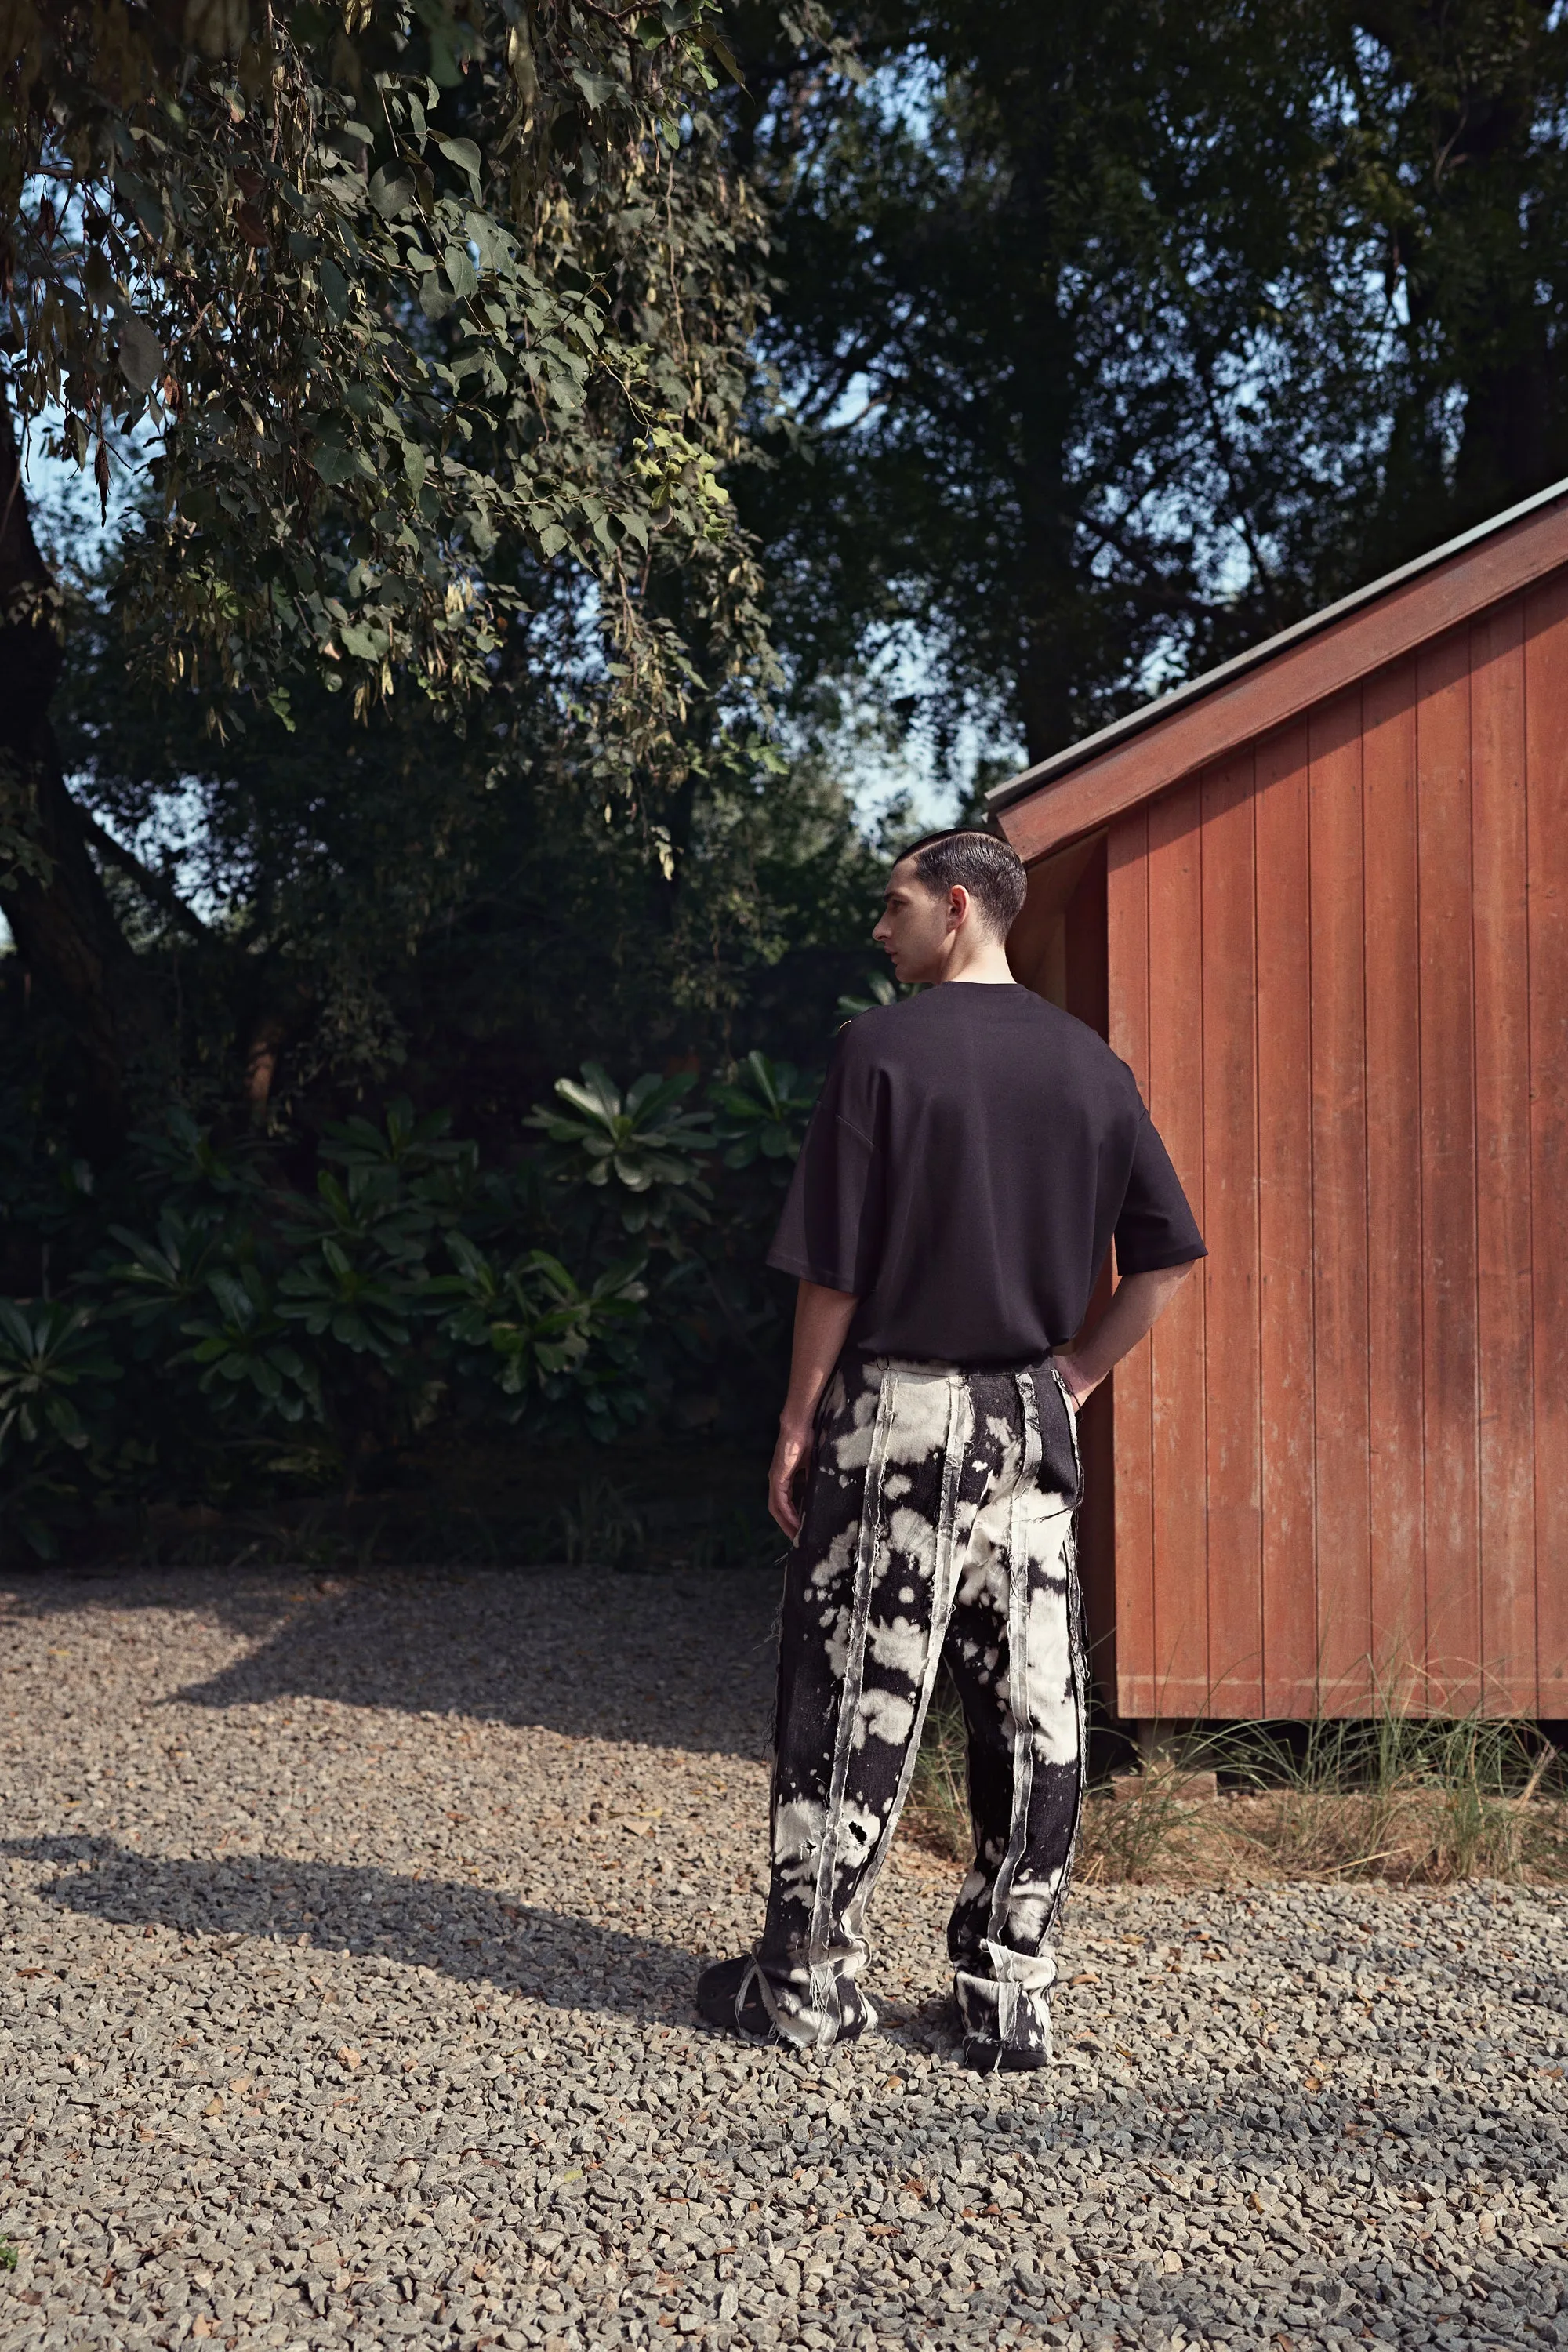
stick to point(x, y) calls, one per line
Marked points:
point(1045, 774)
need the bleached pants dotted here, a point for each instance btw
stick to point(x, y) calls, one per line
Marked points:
point(939, 1523)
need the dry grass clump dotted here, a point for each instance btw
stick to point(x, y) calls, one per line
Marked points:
point(1406, 1800)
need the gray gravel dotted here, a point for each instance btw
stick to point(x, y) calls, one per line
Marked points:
point(344, 2000)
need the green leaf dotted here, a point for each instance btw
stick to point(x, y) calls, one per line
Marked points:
point(595, 1094)
point(65, 1421)
point(461, 274)
point(597, 89)
point(140, 355)
point(333, 463)
point(494, 246)
point(334, 288)
point(365, 645)
point(465, 154)
point(15, 1327)
point(725, 55)
point(391, 197)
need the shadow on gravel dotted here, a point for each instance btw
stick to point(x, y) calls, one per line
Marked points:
point(466, 1932)
point(665, 1661)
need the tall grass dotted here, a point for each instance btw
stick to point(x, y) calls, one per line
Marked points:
point(1414, 1799)
point(602, 1528)
point(1408, 1800)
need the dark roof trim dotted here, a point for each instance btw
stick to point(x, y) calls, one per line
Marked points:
point(1148, 714)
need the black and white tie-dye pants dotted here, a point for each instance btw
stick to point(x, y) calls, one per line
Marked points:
point(938, 1525)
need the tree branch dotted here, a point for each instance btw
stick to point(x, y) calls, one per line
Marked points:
point(157, 887)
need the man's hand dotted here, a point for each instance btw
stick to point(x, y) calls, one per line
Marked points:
point(822, 1320)
point(1076, 1380)
point(791, 1457)
point(1136, 1306)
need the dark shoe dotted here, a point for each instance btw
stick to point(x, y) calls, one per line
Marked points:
point(996, 2058)
point(730, 1995)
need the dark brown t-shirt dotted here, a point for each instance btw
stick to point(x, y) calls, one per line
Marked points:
point(973, 1154)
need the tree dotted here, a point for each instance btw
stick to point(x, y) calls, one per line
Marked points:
point(51, 892)
point(430, 322)
point(389, 902)
point(1455, 168)
point(1118, 336)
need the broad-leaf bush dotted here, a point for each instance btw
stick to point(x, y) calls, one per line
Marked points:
point(762, 1112)
point(56, 1424)
point(643, 1142)
point(53, 1367)
point(228, 1323)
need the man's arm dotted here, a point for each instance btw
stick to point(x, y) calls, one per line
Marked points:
point(822, 1320)
point(1136, 1306)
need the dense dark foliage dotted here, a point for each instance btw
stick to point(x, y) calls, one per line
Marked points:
point(246, 1334)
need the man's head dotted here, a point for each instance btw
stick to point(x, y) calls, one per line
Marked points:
point(950, 897)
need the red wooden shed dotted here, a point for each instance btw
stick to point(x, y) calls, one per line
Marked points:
point(1318, 900)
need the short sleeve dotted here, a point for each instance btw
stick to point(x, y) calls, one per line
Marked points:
point(1156, 1227)
point(830, 1231)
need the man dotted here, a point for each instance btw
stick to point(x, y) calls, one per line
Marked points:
point(973, 1154)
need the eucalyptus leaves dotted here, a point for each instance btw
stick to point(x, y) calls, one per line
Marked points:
point(411, 310)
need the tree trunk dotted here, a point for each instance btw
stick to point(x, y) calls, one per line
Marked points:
point(1512, 443)
point(50, 891)
point(1049, 594)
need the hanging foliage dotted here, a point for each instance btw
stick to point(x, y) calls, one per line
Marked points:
point(410, 310)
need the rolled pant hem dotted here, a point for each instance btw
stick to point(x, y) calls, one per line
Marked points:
point(820, 2014)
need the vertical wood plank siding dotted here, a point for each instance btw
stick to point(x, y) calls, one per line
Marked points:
point(1176, 1098)
point(1338, 964)
point(1397, 1485)
point(1335, 846)
point(1284, 1025)
point(1127, 967)
point(1504, 1218)
point(1546, 817)
point(1086, 981)
point(1230, 1227)
point(1447, 1263)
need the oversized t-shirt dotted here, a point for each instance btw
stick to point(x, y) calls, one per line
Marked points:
point(973, 1154)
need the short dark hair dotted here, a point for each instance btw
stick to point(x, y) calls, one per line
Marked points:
point(988, 867)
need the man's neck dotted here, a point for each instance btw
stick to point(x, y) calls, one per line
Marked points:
point(984, 965)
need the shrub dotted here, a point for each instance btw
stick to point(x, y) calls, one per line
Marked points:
point(221, 1329)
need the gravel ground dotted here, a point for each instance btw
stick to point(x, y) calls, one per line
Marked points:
point(344, 2000)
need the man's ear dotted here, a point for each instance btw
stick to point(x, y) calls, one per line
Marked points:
point(957, 905)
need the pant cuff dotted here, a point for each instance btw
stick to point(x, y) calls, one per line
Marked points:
point(815, 2008)
point(1013, 2018)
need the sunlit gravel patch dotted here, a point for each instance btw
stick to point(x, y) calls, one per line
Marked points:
point(346, 1964)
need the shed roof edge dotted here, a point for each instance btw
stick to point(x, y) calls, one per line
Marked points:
point(1045, 772)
